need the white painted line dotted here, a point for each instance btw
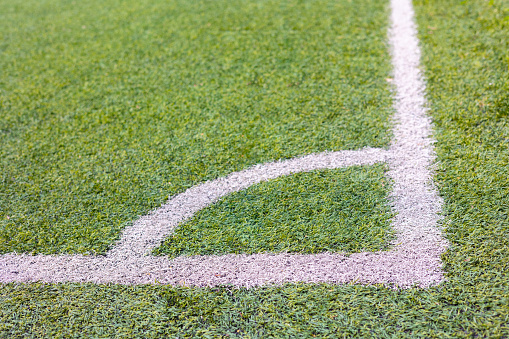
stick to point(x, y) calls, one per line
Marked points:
point(149, 231)
point(413, 260)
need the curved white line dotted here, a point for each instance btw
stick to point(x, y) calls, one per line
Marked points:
point(148, 232)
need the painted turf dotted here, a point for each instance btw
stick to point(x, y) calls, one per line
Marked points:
point(413, 260)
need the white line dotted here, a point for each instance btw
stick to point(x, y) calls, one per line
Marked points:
point(414, 259)
point(148, 232)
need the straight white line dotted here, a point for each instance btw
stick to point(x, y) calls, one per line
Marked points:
point(414, 259)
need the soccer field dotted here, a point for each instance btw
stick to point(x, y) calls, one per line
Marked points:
point(254, 169)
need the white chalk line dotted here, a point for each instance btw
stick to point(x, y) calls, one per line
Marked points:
point(414, 259)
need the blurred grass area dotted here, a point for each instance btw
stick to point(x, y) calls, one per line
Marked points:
point(341, 210)
point(109, 107)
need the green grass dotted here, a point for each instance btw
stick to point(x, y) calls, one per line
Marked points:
point(109, 107)
point(465, 57)
point(342, 210)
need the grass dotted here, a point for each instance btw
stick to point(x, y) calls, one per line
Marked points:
point(109, 107)
point(465, 59)
point(343, 210)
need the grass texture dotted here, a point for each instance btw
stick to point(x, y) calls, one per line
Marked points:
point(342, 210)
point(109, 107)
point(466, 62)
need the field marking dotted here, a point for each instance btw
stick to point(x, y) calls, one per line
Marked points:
point(413, 260)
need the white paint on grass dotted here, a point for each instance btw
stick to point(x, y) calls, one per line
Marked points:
point(413, 260)
point(149, 231)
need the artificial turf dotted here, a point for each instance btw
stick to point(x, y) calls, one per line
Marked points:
point(342, 210)
point(466, 63)
point(110, 107)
